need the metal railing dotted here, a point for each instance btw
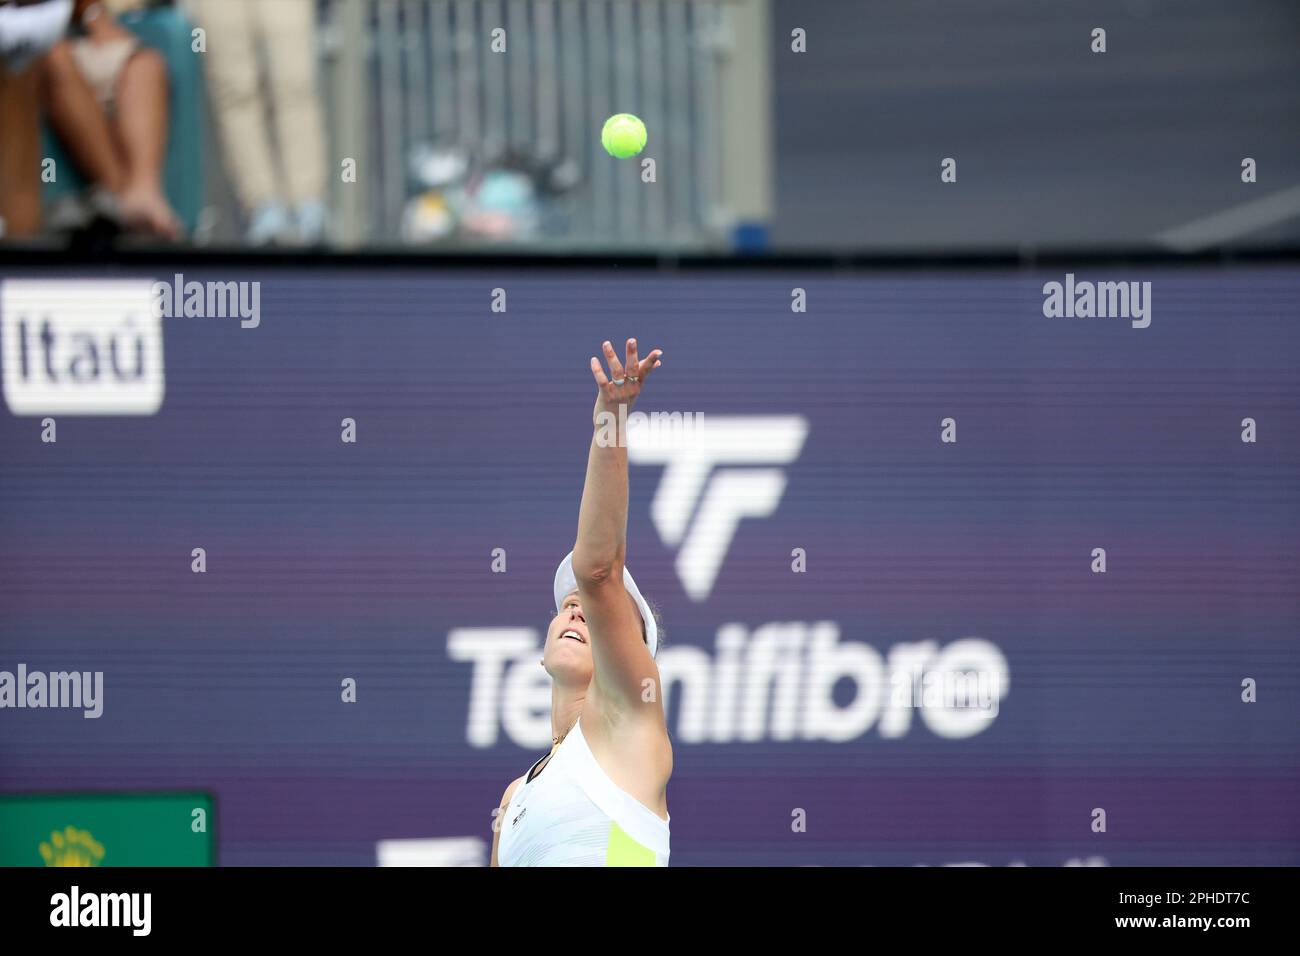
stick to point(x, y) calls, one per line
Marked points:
point(528, 83)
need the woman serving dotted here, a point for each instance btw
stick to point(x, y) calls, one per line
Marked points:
point(599, 798)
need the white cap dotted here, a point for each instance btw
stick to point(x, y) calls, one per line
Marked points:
point(566, 583)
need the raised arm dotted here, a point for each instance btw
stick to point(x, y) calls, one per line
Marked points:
point(621, 659)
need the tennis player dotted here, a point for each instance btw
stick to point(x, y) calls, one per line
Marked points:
point(599, 798)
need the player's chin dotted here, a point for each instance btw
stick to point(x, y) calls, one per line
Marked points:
point(566, 648)
point(568, 660)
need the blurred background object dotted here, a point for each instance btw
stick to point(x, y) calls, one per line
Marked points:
point(109, 93)
point(772, 124)
point(1056, 146)
point(26, 33)
point(532, 98)
point(132, 828)
point(261, 58)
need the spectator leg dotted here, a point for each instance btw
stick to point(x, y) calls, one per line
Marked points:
point(232, 74)
point(20, 159)
point(140, 128)
point(288, 28)
point(77, 119)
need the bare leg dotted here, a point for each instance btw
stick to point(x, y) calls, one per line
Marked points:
point(77, 119)
point(20, 160)
point(140, 127)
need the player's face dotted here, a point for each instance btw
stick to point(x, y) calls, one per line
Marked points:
point(568, 643)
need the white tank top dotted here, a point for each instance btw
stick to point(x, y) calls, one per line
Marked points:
point(572, 814)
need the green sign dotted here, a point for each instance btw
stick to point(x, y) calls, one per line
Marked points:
point(107, 829)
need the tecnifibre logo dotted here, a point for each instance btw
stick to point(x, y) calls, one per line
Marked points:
point(75, 908)
point(714, 466)
point(779, 681)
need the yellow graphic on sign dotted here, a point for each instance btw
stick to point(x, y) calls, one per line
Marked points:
point(72, 847)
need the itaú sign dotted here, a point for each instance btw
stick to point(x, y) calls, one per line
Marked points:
point(782, 681)
point(80, 347)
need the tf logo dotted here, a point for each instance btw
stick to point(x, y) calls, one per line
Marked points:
point(72, 847)
point(712, 480)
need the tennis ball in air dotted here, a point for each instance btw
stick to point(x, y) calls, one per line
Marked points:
point(623, 135)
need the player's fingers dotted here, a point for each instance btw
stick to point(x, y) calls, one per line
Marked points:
point(598, 373)
point(649, 364)
point(633, 366)
point(615, 367)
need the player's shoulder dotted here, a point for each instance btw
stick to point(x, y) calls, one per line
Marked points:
point(510, 790)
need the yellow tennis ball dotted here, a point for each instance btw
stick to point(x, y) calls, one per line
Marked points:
point(623, 135)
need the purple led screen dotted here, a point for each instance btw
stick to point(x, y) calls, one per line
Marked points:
point(816, 549)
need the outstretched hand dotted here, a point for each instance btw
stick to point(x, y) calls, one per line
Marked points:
point(625, 381)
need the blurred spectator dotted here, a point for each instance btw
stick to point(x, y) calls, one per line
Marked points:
point(30, 27)
point(26, 32)
point(284, 199)
point(105, 95)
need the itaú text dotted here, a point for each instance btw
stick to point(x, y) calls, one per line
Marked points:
point(781, 681)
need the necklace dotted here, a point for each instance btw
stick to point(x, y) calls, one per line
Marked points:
point(556, 741)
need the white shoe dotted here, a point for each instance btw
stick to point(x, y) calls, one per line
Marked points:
point(269, 225)
point(310, 218)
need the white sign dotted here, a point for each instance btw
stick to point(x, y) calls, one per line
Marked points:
point(80, 347)
point(447, 851)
